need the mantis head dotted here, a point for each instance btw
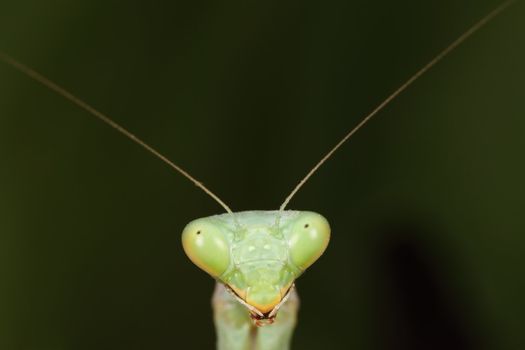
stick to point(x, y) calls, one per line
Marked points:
point(257, 255)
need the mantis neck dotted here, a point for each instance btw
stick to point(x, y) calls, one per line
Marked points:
point(237, 331)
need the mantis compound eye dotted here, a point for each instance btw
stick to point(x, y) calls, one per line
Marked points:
point(308, 239)
point(206, 246)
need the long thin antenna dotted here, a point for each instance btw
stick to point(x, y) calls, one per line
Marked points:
point(396, 93)
point(77, 101)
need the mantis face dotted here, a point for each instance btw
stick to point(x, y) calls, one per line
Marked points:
point(257, 254)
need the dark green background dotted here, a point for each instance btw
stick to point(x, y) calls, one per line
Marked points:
point(426, 203)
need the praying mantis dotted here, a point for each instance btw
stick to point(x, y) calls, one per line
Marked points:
point(196, 144)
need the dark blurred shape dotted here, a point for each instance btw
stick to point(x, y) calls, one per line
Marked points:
point(420, 308)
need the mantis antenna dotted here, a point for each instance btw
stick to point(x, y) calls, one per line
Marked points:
point(77, 101)
point(397, 92)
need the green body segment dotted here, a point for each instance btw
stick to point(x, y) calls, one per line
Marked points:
point(255, 256)
point(236, 331)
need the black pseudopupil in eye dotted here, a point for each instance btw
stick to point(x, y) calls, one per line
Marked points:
point(306, 225)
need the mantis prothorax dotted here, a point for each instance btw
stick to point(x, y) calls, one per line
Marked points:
point(255, 256)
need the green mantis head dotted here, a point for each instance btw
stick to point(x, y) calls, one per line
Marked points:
point(257, 254)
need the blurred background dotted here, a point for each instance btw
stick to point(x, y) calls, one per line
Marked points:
point(426, 203)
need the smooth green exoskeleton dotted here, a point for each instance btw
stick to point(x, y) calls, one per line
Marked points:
point(255, 256)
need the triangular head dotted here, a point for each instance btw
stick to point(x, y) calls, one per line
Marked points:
point(257, 255)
